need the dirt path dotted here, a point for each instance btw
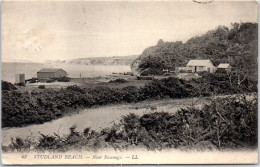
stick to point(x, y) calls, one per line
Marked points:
point(96, 118)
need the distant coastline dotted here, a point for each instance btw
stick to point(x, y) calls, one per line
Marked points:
point(16, 61)
point(22, 62)
point(9, 69)
point(115, 60)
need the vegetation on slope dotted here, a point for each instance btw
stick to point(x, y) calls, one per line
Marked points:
point(8, 86)
point(20, 108)
point(237, 46)
point(224, 123)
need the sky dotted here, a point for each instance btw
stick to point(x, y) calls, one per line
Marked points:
point(61, 30)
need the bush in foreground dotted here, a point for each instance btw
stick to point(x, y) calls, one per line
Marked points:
point(41, 87)
point(63, 79)
point(8, 86)
point(119, 80)
point(21, 108)
point(225, 123)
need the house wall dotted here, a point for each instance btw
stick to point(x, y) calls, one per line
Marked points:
point(211, 67)
point(57, 74)
point(19, 78)
point(224, 70)
point(229, 69)
point(60, 73)
point(221, 70)
point(191, 68)
point(201, 68)
point(42, 75)
point(198, 68)
point(22, 78)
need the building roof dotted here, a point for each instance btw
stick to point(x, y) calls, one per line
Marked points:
point(50, 70)
point(198, 62)
point(223, 65)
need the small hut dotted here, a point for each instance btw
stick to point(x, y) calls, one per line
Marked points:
point(48, 73)
point(20, 78)
point(224, 68)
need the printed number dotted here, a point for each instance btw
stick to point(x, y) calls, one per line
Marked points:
point(24, 156)
point(134, 157)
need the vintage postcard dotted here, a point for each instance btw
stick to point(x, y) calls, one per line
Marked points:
point(129, 82)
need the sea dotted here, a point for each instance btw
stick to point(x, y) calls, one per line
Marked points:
point(74, 70)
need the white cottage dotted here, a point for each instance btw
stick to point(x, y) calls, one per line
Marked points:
point(200, 65)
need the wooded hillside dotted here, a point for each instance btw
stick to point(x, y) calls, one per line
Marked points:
point(236, 45)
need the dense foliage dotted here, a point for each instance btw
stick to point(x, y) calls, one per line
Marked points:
point(63, 79)
point(8, 86)
point(41, 86)
point(119, 80)
point(224, 123)
point(236, 45)
point(42, 105)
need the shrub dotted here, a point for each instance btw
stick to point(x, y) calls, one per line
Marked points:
point(170, 87)
point(63, 79)
point(22, 108)
point(130, 94)
point(76, 89)
point(32, 80)
point(224, 123)
point(152, 71)
point(7, 86)
point(41, 86)
point(203, 73)
point(20, 84)
point(50, 81)
point(120, 80)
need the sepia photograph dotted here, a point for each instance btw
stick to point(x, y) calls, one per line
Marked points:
point(129, 82)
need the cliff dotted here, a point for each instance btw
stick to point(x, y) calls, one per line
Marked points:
point(124, 60)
